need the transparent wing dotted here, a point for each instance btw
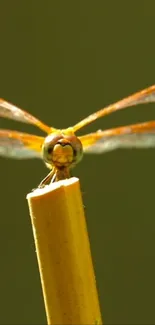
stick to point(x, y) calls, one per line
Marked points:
point(10, 111)
point(20, 145)
point(132, 136)
point(144, 96)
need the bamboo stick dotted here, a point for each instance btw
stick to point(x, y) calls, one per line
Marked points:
point(63, 253)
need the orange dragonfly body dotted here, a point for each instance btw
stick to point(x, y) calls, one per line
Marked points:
point(62, 149)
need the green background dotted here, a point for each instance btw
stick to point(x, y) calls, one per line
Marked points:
point(61, 61)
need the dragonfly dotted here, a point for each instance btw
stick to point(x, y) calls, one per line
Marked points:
point(62, 149)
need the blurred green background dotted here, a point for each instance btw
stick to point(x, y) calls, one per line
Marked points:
point(60, 61)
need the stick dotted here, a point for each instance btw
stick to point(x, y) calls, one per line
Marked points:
point(63, 253)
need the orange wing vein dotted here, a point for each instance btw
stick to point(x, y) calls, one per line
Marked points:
point(144, 96)
point(20, 145)
point(132, 136)
point(10, 111)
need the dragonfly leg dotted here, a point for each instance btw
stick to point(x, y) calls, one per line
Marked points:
point(54, 176)
point(47, 179)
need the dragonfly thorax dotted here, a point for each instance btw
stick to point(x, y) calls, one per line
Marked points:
point(62, 150)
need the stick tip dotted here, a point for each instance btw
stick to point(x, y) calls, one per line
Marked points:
point(52, 187)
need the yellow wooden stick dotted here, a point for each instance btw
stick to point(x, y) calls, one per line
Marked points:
point(63, 254)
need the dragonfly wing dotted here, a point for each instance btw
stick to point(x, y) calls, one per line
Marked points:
point(20, 145)
point(10, 111)
point(144, 96)
point(132, 136)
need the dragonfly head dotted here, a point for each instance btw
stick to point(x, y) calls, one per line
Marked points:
point(62, 150)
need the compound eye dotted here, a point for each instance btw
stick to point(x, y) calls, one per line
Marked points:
point(47, 152)
point(48, 147)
